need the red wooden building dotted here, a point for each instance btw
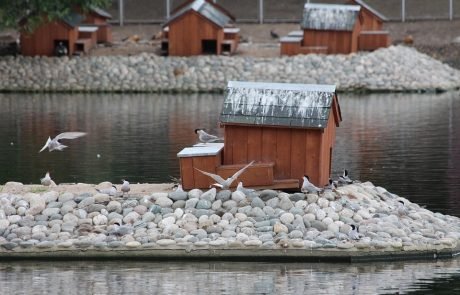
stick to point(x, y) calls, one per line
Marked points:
point(199, 27)
point(99, 17)
point(288, 129)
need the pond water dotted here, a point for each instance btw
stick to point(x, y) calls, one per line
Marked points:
point(408, 143)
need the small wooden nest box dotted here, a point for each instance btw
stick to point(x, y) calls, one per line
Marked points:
point(287, 129)
point(199, 27)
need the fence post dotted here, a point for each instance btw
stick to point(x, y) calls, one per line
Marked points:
point(261, 11)
point(451, 10)
point(121, 12)
point(403, 10)
point(168, 8)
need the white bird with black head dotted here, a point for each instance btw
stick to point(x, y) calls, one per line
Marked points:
point(54, 144)
point(308, 187)
point(205, 137)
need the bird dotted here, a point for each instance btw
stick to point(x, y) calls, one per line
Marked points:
point(225, 184)
point(111, 191)
point(330, 186)
point(246, 191)
point(47, 181)
point(179, 189)
point(353, 233)
point(308, 187)
point(344, 179)
point(125, 186)
point(205, 137)
point(274, 35)
point(401, 208)
point(54, 144)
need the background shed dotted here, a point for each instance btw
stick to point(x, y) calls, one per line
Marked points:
point(99, 17)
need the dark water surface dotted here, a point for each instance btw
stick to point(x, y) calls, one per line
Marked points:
point(408, 143)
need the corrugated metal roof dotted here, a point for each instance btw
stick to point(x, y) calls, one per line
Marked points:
point(371, 9)
point(277, 104)
point(329, 17)
point(205, 9)
point(101, 12)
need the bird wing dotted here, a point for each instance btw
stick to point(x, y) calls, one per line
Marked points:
point(216, 177)
point(70, 135)
point(46, 145)
point(238, 173)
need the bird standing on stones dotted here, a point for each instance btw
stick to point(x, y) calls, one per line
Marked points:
point(274, 35)
point(205, 137)
point(344, 179)
point(47, 181)
point(111, 191)
point(125, 187)
point(225, 184)
point(353, 234)
point(330, 186)
point(54, 144)
point(246, 191)
point(308, 187)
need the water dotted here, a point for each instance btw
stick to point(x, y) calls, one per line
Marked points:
point(408, 143)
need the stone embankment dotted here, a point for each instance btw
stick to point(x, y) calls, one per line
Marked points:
point(396, 68)
point(304, 224)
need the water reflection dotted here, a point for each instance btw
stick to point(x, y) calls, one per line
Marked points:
point(123, 277)
point(409, 143)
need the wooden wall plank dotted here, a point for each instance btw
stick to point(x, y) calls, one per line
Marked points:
point(298, 147)
point(268, 144)
point(240, 145)
point(228, 144)
point(312, 153)
point(254, 144)
point(283, 153)
point(206, 164)
point(187, 173)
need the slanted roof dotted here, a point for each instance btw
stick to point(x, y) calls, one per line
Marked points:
point(278, 104)
point(100, 12)
point(369, 8)
point(73, 19)
point(329, 17)
point(205, 9)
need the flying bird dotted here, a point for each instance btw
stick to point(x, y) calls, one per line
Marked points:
point(54, 144)
point(47, 181)
point(308, 187)
point(125, 186)
point(111, 191)
point(225, 184)
point(205, 137)
point(274, 35)
point(344, 179)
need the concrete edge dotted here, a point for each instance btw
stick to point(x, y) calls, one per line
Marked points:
point(225, 254)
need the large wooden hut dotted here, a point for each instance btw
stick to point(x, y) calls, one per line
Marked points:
point(198, 27)
point(327, 28)
point(372, 35)
point(99, 17)
point(288, 129)
point(44, 39)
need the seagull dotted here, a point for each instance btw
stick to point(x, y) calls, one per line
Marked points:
point(225, 184)
point(54, 144)
point(47, 181)
point(205, 137)
point(344, 179)
point(246, 191)
point(354, 233)
point(308, 187)
point(125, 186)
point(330, 186)
point(111, 191)
point(274, 35)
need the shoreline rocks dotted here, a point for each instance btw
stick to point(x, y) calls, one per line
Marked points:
point(393, 69)
point(81, 221)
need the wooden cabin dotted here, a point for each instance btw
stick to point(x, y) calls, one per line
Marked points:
point(198, 27)
point(372, 35)
point(327, 28)
point(288, 129)
point(99, 17)
point(44, 39)
point(212, 2)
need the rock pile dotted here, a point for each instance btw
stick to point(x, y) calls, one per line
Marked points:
point(396, 68)
point(192, 220)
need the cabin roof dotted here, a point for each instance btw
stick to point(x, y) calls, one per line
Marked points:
point(73, 19)
point(205, 9)
point(100, 12)
point(329, 17)
point(371, 9)
point(277, 104)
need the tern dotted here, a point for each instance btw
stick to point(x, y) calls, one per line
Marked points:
point(205, 137)
point(354, 234)
point(47, 181)
point(344, 179)
point(308, 187)
point(246, 191)
point(330, 186)
point(54, 144)
point(225, 184)
point(125, 186)
point(111, 191)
